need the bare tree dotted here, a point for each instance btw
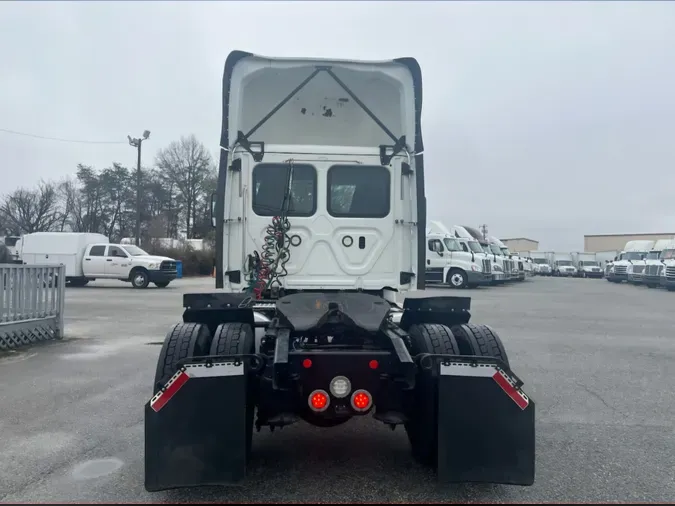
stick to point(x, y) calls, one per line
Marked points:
point(187, 164)
point(29, 211)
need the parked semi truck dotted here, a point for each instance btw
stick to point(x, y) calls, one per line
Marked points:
point(470, 244)
point(605, 258)
point(510, 265)
point(498, 273)
point(586, 265)
point(633, 251)
point(319, 276)
point(667, 276)
point(88, 257)
point(654, 262)
point(453, 262)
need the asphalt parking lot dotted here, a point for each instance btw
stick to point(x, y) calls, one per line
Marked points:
point(597, 358)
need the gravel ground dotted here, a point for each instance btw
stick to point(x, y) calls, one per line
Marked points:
point(593, 355)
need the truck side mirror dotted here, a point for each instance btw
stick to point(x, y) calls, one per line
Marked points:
point(213, 210)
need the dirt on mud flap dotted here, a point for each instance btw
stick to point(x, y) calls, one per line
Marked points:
point(485, 423)
point(195, 426)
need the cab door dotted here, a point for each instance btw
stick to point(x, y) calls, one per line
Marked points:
point(436, 261)
point(93, 263)
point(117, 262)
point(465, 255)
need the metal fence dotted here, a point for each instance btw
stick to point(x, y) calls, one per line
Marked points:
point(31, 304)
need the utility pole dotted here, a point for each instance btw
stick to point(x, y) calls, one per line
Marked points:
point(136, 143)
point(484, 231)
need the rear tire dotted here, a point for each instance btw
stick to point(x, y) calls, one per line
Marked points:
point(422, 425)
point(239, 339)
point(480, 340)
point(183, 341)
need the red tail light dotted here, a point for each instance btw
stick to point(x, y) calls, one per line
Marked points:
point(318, 400)
point(361, 401)
point(373, 364)
point(307, 363)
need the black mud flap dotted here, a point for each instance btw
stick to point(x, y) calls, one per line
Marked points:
point(195, 428)
point(485, 425)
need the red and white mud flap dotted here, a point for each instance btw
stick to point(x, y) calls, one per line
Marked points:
point(195, 428)
point(485, 426)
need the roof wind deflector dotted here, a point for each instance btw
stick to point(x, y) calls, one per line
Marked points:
point(385, 158)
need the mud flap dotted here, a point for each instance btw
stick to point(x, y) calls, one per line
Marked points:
point(485, 426)
point(195, 428)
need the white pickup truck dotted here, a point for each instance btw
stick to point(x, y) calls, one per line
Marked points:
point(88, 257)
point(127, 262)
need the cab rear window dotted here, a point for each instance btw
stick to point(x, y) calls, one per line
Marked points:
point(271, 185)
point(359, 191)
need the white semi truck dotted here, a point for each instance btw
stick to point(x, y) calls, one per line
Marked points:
point(494, 253)
point(654, 262)
point(633, 251)
point(511, 270)
point(452, 261)
point(667, 274)
point(587, 265)
point(320, 216)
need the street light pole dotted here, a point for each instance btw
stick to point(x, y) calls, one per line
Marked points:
point(137, 143)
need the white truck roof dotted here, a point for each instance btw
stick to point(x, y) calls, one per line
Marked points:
point(59, 243)
point(662, 244)
point(641, 245)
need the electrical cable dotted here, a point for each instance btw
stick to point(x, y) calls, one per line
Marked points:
point(5, 130)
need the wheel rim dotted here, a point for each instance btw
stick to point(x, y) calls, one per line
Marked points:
point(457, 279)
point(139, 279)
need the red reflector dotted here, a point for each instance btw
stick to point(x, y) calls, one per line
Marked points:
point(318, 400)
point(373, 364)
point(361, 400)
point(307, 363)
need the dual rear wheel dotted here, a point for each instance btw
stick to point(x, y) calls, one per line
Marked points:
point(186, 340)
point(467, 339)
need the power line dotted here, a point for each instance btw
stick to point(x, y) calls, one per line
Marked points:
point(59, 139)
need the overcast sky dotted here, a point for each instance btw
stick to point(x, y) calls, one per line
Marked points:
point(542, 119)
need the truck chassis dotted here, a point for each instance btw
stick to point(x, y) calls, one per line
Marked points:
point(421, 365)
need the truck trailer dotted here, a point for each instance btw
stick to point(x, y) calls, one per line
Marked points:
point(307, 322)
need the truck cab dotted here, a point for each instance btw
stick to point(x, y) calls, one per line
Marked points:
point(587, 265)
point(654, 262)
point(512, 266)
point(633, 251)
point(667, 274)
point(495, 256)
point(543, 262)
point(562, 265)
point(451, 261)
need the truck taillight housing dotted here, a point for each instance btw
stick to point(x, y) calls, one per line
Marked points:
point(361, 401)
point(318, 401)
